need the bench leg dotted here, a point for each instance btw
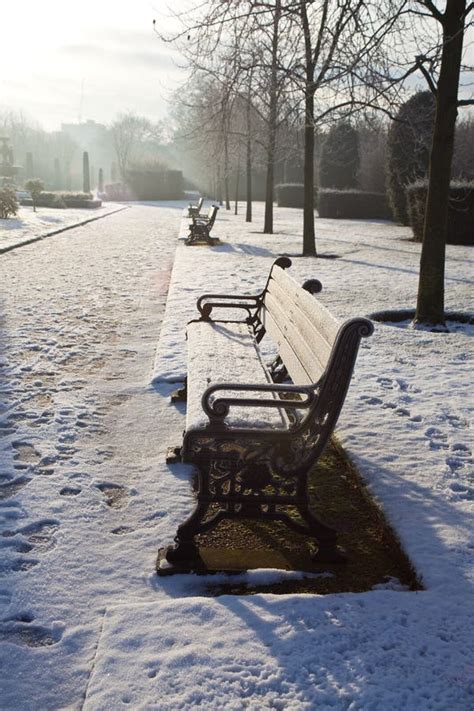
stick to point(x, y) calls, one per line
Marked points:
point(185, 550)
point(326, 538)
point(181, 394)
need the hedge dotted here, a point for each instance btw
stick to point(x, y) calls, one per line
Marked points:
point(290, 194)
point(155, 184)
point(460, 211)
point(117, 192)
point(63, 199)
point(353, 205)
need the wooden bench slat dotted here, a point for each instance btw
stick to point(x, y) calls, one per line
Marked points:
point(303, 335)
point(300, 361)
point(318, 314)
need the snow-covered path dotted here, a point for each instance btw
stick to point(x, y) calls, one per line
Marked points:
point(80, 318)
point(86, 497)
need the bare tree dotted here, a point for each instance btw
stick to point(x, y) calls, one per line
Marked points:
point(128, 130)
point(443, 77)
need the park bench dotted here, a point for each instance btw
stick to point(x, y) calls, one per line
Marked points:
point(201, 226)
point(194, 210)
point(254, 437)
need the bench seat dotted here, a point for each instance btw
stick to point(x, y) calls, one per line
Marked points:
point(254, 434)
point(226, 353)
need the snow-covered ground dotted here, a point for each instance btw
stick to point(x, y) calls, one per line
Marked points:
point(28, 225)
point(87, 497)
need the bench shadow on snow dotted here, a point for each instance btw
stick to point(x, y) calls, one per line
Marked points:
point(244, 249)
point(426, 514)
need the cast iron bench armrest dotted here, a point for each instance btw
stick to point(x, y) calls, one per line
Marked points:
point(218, 409)
point(226, 301)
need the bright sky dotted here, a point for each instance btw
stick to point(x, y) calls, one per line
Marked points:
point(50, 48)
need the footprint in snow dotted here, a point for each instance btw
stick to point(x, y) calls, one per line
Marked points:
point(36, 538)
point(22, 632)
point(10, 488)
point(25, 455)
point(436, 438)
point(70, 491)
point(122, 530)
point(115, 495)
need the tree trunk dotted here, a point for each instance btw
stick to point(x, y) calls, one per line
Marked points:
point(309, 240)
point(430, 303)
point(237, 181)
point(219, 185)
point(226, 170)
point(248, 215)
point(272, 120)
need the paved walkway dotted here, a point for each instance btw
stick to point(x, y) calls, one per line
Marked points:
point(80, 318)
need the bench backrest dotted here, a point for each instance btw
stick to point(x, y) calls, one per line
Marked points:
point(300, 326)
point(315, 348)
point(211, 215)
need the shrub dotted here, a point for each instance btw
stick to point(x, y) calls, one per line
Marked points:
point(35, 187)
point(63, 199)
point(460, 211)
point(290, 195)
point(353, 204)
point(408, 150)
point(58, 202)
point(340, 160)
point(8, 202)
point(117, 191)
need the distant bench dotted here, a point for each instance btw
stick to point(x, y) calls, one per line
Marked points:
point(200, 227)
point(194, 210)
point(253, 437)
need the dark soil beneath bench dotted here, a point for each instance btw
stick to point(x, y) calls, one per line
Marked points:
point(338, 496)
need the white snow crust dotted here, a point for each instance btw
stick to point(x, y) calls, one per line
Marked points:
point(28, 225)
point(86, 497)
point(225, 353)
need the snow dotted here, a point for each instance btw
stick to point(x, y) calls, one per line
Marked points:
point(29, 225)
point(226, 353)
point(86, 497)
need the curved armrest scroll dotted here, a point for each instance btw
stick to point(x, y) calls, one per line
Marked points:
point(207, 302)
point(218, 409)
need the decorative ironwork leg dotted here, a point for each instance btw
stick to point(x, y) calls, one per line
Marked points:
point(326, 538)
point(278, 370)
point(173, 455)
point(185, 550)
point(181, 394)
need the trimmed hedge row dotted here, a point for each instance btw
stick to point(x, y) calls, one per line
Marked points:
point(117, 192)
point(353, 205)
point(62, 200)
point(155, 184)
point(290, 195)
point(460, 211)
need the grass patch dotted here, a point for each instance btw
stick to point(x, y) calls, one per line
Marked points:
point(339, 497)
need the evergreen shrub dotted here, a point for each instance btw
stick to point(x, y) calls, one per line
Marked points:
point(8, 202)
point(353, 205)
point(460, 211)
point(290, 195)
point(340, 158)
point(408, 150)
